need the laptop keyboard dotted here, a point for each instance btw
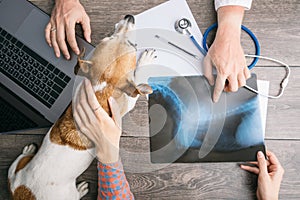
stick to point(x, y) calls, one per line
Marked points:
point(30, 71)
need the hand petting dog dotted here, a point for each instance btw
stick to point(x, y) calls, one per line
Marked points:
point(66, 152)
point(92, 120)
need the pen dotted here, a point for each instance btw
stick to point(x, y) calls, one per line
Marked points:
point(176, 46)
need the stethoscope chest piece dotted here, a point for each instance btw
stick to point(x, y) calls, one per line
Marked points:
point(182, 26)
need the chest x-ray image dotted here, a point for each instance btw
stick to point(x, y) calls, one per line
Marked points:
point(186, 126)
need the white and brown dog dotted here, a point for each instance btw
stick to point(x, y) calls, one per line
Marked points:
point(65, 153)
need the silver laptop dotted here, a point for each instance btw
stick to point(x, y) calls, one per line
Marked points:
point(33, 81)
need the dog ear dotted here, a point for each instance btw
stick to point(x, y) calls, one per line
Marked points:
point(83, 65)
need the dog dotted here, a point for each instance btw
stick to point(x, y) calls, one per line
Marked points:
point(66, 153)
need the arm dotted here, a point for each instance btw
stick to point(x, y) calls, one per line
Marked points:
point(226, 52)
point(270, 175)
point(113, 174)
point(61, 27)
point(105, 132)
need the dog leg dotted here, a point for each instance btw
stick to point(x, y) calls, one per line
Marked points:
point(147, 57)
point(82, 189)
point(20, 163)
point(27, 155)
point(29, 150)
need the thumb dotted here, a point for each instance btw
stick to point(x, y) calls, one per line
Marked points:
point(208, 67)
point(115, 111)
point(262, 163)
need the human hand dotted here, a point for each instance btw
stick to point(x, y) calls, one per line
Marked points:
point(269, 176)
point(61, 27)
point(96, 124)
point(226, 53)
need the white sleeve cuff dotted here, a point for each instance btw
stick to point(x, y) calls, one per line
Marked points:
point(244, 3)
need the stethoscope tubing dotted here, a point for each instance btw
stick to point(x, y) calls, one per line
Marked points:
point(244, 28)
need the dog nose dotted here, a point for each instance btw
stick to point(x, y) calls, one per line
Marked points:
point(129, 18)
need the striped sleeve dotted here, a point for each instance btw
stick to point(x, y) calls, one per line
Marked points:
point(112, 182)
point(244, 3)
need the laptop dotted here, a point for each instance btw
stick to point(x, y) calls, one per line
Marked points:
point(36, 87)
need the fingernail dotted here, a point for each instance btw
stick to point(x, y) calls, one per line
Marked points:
point(260, 154)
point(111, 100)
point(215, 99)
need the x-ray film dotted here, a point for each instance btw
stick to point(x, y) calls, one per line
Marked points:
point(186, 126)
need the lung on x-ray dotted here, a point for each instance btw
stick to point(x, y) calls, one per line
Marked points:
point(186, 126)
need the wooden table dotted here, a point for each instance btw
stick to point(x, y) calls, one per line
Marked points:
point(277, 26)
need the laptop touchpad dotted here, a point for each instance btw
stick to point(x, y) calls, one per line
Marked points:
point(32, 34)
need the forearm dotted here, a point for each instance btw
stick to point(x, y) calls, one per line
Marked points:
point(112, 182)
point(65, 1)
point(230, 20)
point(246, 4)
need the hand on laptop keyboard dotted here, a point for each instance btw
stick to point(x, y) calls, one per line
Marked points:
point(61, 27)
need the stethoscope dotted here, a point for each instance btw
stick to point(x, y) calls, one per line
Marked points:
point(183, 26)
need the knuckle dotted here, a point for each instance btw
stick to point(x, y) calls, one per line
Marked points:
point(81, 101)
point(60, 40)
point(83, 129)
point(66, 18)
point(234, 89)
point(78, 107)
point(225, 71)
point(71, 41)
point(56, 47)
point(242, 82)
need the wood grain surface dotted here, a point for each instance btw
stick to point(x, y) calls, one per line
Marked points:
point(276, 24)
point(173, 181)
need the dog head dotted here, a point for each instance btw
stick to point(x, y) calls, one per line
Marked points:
point(112, 66)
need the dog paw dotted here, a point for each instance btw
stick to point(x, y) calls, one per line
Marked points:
point(29, 149)
point(83, 188)
point(147, 57)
